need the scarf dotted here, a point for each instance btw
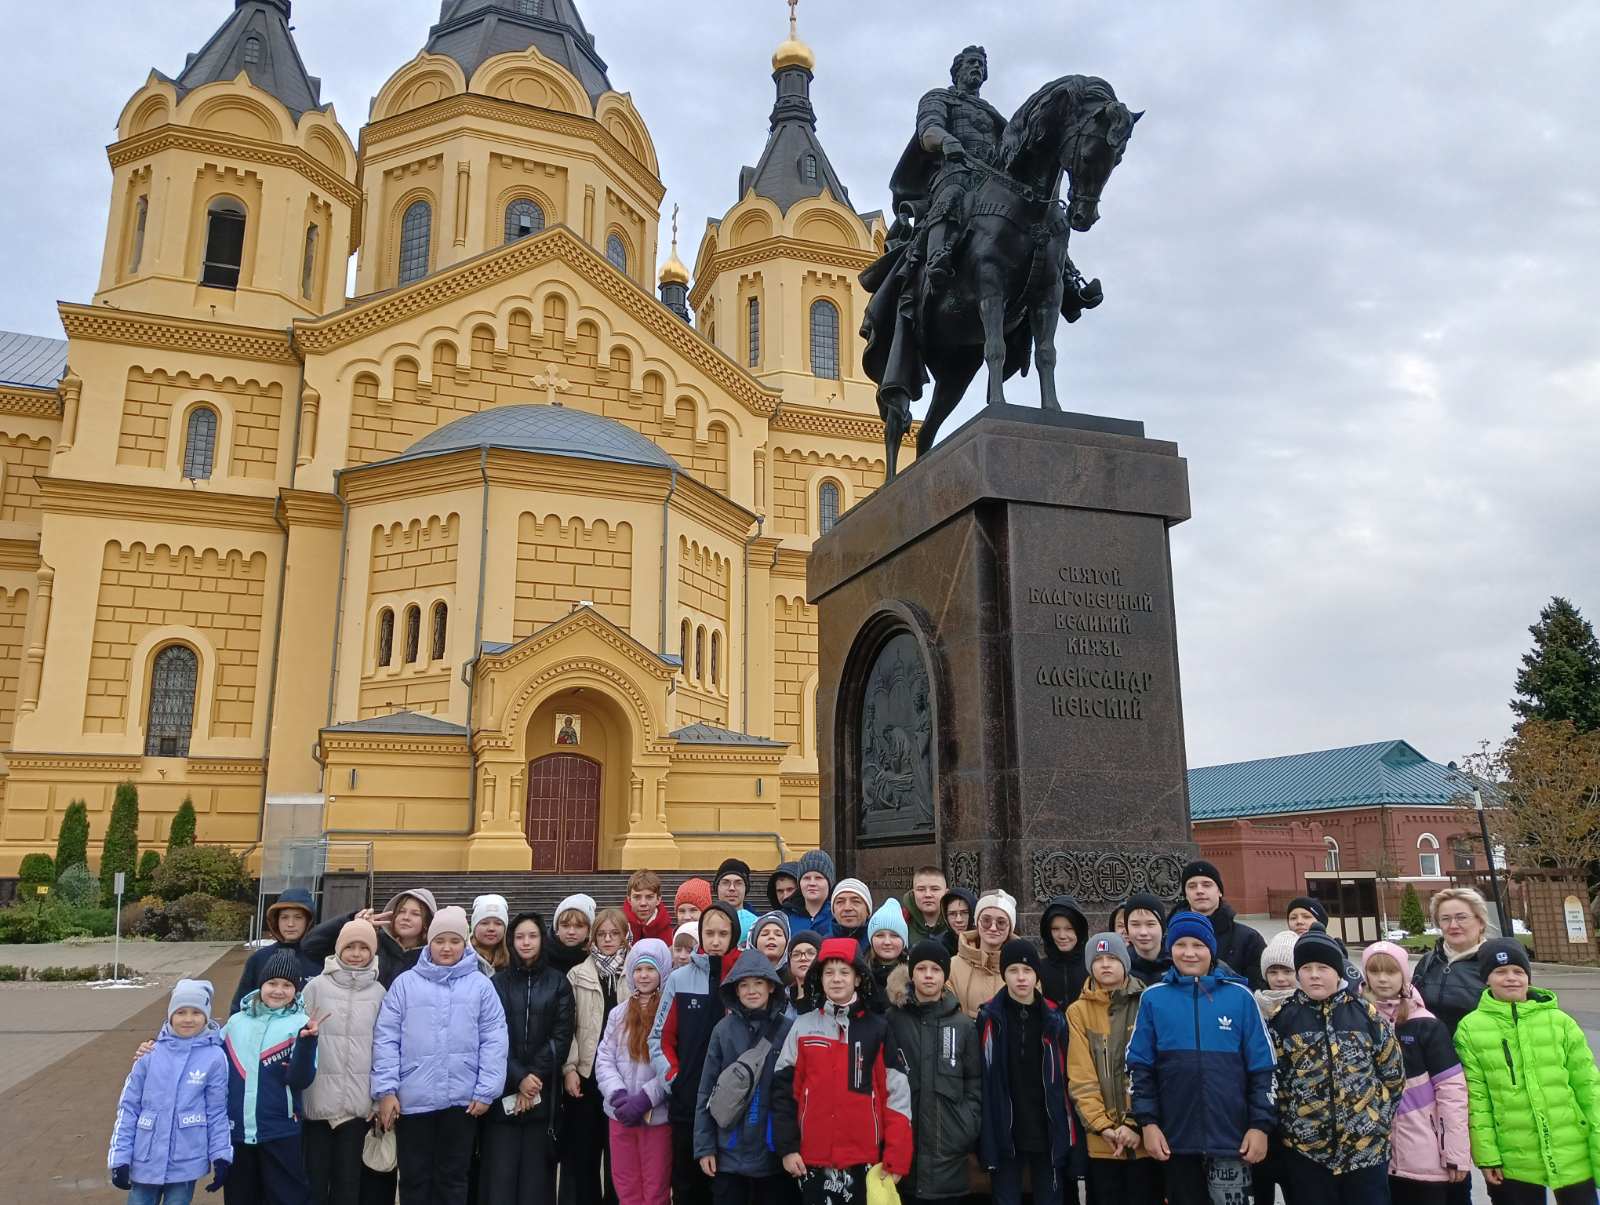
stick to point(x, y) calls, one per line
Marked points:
point(1270, 999)
point(1390, 1009)
point(609, 966)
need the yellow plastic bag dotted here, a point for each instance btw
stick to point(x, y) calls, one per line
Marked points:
point(881, 1190)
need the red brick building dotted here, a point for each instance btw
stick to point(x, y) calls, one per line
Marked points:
point(1382, 807)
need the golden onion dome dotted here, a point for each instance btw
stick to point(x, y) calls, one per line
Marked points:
point(792, 52)
point(673, 272)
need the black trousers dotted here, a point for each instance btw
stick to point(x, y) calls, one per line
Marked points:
point(519, 1166)
point(1418, 1192)
point(1188, 1180)
point(1266, 1176)
point(690, 1185)
point(1519, 1192)
point(585, 1137)
point(267, 1173)
point(333, 1160)
point(1124, 1182)
point(1048, 1181)
point(434, 1151)
point(729, 1189)
point(1309, 1183)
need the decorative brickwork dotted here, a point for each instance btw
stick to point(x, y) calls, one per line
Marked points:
point(793, 488)
point(218, 593)
point(561, 562)
point(23, 459)
point(794, 655)
point(13, 621)
point(153, 400)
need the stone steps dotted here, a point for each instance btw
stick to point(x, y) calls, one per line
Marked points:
point(524, 890)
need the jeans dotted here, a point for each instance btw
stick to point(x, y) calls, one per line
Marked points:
point(161, 1194)
point(1309, 1183)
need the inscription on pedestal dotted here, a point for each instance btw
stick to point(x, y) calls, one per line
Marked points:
point(1100, 613)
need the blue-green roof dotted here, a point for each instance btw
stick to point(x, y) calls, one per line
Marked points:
point(1358, 776)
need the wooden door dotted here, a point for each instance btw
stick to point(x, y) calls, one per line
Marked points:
point(563, 813)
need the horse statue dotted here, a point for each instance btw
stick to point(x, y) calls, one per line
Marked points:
point(1006, 280)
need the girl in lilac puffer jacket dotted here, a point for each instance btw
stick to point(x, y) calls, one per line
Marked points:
point(633, 1091)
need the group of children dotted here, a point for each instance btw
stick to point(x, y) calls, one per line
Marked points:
point(816, 1052)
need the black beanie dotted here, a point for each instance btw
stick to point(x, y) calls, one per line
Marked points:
point(1019, 950)
point(930, 949)
point(285, 964)
point(1201, 867)
point(1310, 905)
point(1315, 945)
point(731, 866)
point(1145, 902)
point(1503, 952)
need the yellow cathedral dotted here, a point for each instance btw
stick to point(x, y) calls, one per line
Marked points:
point(498, 560)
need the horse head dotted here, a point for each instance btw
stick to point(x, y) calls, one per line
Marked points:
point(1074, 125)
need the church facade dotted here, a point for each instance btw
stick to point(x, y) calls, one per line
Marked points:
point(499, 561)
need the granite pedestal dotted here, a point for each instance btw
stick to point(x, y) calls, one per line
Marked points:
point(998, 665)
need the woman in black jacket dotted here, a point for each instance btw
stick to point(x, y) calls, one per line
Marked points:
point(1448, 975)
point(519, 1158)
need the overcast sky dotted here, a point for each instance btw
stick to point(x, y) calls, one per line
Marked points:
point(1352, 266)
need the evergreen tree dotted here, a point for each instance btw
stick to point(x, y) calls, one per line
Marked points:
point(149, 863)
point(72, 842)
point(183, 824)
point(1560, 675)
point(1412, 919)
point(120, 850)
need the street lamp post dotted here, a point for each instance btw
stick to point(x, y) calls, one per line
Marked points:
point(1494, 875)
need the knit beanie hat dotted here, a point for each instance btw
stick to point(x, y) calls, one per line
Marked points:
point(689, 929)
point(781, 919)
point(449, 920)
point(1200, 867)
point(998, 898)
point(805, 937)
point(285, 964)
point(490, 907)
point(1020, 950)
point(1310, 905)
point(889, 919)
point(840, 949)
point(820, 862)
point(1279, 951)
point(1143, 901)
point(733, 866)
point(652, 950)
point(1314, 945)
point(693, 891)
point(1190, 924)
point(1103, 945)
point(931, 949)
point(855, 887)
point(573, 903)
point(1393, 951)
point(356, 931)
point(1503, 952)
point(191, 993)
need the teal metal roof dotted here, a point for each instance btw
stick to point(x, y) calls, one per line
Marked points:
point(1357, 776)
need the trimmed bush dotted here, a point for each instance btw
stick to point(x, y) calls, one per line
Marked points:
point(90, 922)
point(144, 881)
point(12, 974)
point(72, 842)
point(70, 974)
point(30, 924)
point(1412, 919)
point(211, 869)
point(229, 921)
point(76, 887)
point(36, 870)
point(181, 834)
point(120, 851)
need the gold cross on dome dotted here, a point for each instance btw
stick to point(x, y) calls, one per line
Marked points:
point(550, 380)
point(794, 20)
point(674, 226)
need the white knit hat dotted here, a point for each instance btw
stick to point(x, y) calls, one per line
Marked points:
point(1279, 951)
point(855, 887)
point(689, 929)
point(579, 903)
point(490, 907)
point(998, 898)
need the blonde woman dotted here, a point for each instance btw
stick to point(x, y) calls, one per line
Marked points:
point(1448, 975)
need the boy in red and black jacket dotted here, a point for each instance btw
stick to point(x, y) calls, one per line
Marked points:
point(646, 914)
point(840, 1100)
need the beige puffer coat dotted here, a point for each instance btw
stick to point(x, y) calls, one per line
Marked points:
point(974, 975)
point(590, 1013)
point(351, 998)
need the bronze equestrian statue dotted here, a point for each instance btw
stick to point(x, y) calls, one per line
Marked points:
point(976, 269)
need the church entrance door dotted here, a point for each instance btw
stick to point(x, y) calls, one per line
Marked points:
point(563, 820)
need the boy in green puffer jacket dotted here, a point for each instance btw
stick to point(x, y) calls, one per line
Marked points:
point(1533, 1092)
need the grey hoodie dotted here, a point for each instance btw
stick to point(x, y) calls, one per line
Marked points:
point(746, 1149)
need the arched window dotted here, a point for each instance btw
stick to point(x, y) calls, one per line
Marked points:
point(1331, 858)
point(413, 632)
point(224, 244)
point(416, 237)
point(1428, 856)
point(811, 167)
point(683, 647)
point(716, 658)
point(827, 506)
point(308, 268)
point(617, 252)
point(530, 8)
point(753, 309)
point(825, 340)
point(170, 718)
point(200, 444)
point(141, 215)
point(523, 217)
point(441, 621)
point(385, 636)
point(700, 655)
point(252, 51)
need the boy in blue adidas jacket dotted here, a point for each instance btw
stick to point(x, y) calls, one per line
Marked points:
point(1202, 1069)
point(272, 1057)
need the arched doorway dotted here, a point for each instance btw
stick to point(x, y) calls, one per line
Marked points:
point(563, 813)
